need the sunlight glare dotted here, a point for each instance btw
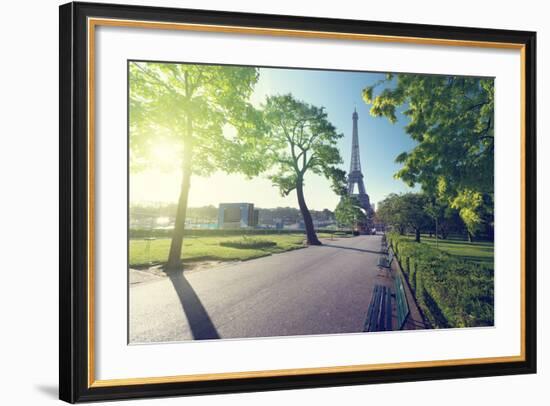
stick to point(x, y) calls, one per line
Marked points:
point(166, 155)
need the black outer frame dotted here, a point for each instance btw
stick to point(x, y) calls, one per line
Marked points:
point(73, 292)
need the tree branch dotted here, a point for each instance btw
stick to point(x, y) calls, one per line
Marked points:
point(483, 133)
point(475, 106)
point(151, 76)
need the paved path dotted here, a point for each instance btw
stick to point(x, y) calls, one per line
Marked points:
point(315, 290)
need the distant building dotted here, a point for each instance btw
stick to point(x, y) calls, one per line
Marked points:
point(237, 215)
point(356, 178)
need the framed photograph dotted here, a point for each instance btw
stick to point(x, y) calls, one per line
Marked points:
point(256, 202)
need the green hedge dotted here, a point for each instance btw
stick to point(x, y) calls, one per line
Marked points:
point(248, 243)
point(136, 233)
point(451, 292)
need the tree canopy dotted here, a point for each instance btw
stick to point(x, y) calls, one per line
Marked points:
point(452, 121)
point(301, 139)
point(404, 211)
point(205, 107)
point(201, 112)
point(348, 212)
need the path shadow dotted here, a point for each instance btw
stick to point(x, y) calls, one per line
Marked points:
point(352, 248)
point(411, 324)
point(435, 310)
point(201, 326)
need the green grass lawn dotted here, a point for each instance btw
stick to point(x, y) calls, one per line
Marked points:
point(481, 252)
point(209, 248)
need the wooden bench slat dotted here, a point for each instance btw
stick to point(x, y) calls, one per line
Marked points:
point(376, 310)
point(368, 322)
point(385, 260)
point(401, 301)
point(388, 312)
point(379, 313)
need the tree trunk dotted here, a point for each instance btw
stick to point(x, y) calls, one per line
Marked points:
point(306, 215)
point(174, 257)
point(470, 237)
point(417, 234)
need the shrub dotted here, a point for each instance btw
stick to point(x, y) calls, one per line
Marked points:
point(138, 233)
point(248, 243)
point(451, 292)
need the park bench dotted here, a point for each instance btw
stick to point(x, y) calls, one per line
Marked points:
point(379, 313)
point(385, 261)
point(401, 302)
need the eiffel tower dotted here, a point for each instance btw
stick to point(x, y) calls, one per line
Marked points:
point(355, 176)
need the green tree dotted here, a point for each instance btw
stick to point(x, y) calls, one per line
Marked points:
point(414, 207)
point(469, 205)
point(199, 110)
point(348, 212)
point(301, 139)
point(405, 211)
point(434, 212)
point(390, 212)
point(445, 217)
point(452, 121)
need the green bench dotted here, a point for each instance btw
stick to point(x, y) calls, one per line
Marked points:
point(379, 313)
point(401, 301)
point(385, 261)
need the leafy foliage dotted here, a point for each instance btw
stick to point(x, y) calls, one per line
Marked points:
point(405, 211)
point(445, 217)
point(201, 112)
point(468, 202)
point(200, 106)
point(248, 243)
point(348, 213)
point(450, 292)
point(452, 122)
point(301, 139)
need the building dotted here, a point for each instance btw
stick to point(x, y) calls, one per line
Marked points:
point(237, 215)
point(355, 177)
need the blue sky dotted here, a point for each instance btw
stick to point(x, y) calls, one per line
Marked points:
point(339, 92)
